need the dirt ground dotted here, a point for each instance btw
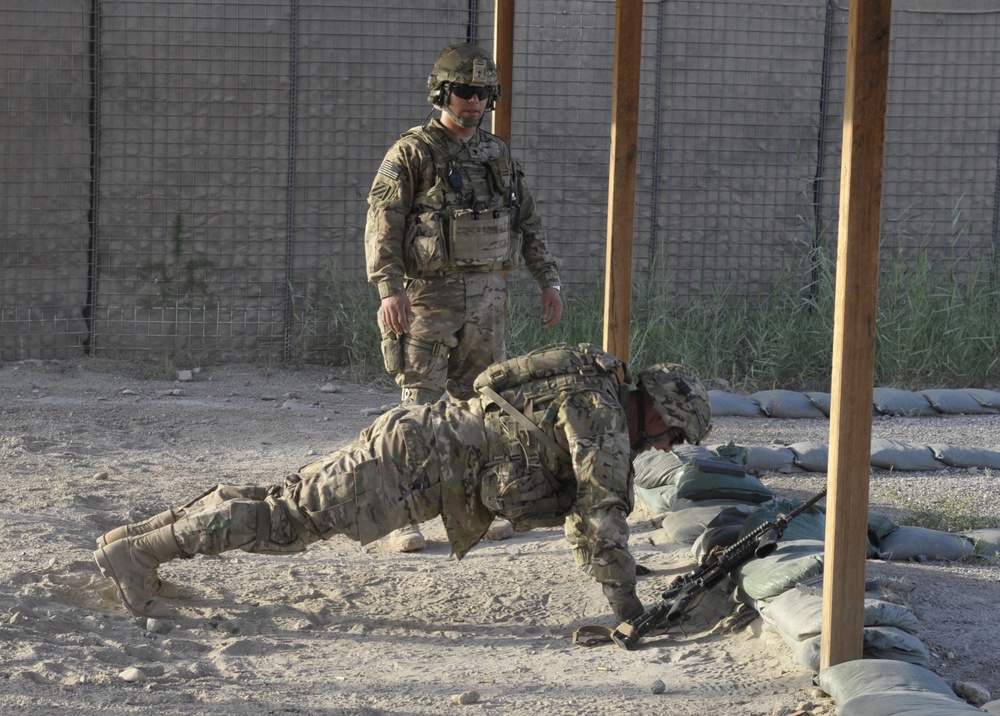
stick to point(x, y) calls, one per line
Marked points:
point(88, 445)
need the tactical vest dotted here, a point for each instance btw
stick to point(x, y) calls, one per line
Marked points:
point(529, 477)
point(469, 219)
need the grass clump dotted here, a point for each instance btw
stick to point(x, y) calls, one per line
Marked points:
point(952, 513)
point(335, 324)
point(935, 328)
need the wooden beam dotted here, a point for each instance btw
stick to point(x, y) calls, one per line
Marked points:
point(854, 331)
point(621, 189)
point(503, 55)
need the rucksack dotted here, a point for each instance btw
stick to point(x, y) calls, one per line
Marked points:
point(516, 484)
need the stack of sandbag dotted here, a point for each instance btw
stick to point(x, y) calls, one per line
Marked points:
point(866, 687)
point(885, 401)
point(690, 476)
point(796, 615)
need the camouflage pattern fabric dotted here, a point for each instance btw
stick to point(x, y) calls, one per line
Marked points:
point(425, 178)
point(416, 463)
point(457, 330)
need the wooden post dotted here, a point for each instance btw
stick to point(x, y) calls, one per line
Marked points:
point(621, 189)
point(854, 331)
point(503, 55)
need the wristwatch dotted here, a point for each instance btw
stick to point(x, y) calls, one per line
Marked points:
point(557, 288)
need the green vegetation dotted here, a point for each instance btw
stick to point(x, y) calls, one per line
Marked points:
point(336, 323)
point(935, 329)
point(952, 513)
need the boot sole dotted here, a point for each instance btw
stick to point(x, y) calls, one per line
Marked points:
point(104, 565)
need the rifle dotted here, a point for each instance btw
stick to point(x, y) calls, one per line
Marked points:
point(686, 591)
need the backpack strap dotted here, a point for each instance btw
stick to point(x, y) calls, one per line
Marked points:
point(524, 421)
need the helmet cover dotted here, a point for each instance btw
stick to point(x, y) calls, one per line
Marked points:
point(680, 399)
point(464, 64)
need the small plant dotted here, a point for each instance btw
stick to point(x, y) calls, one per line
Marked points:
point(952, 513)
point(335, 322)
point(178, 281)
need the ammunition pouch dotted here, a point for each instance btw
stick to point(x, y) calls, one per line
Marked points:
point(479, 239)
point(528, 497)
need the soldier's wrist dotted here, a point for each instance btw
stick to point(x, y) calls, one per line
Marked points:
point(389, 288)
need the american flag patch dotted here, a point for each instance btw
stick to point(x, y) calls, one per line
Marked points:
point(391, 170)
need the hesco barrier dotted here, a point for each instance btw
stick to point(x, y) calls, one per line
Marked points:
point(183, 178)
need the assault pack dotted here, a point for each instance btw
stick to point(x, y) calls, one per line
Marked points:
point(529, 478)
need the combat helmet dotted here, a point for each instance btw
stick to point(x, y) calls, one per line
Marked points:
point(464, 64)
point(680, 399)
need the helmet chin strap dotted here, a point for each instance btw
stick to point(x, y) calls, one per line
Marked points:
point(461, 121)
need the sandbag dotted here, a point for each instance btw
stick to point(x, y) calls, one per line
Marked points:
point(848, 679)
point(792, 562)
point(962, 456)
point(685, 526)
point(878, 643)
point(821, 401)
point(904, 703)
point(657, 472)
point(712, 538)
point(985, 542)
point(896, 455)
point(908, 542)
point(771, 458)
point(728, 404)
point(811, 456)
point(955, 401)
point(712, 479)
point(810, 525)
point(986, 398)
point(787, 404)
point(659, 501)
point(797, 616)
point(891, 401)
point(655, 468)
point(879, 525)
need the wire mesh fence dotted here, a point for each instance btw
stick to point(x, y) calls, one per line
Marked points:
point(190, 179)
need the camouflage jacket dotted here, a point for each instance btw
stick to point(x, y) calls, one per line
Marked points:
point(424, 178)
point(590, 425)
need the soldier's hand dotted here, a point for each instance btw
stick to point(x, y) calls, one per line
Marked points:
point(552, 306)
point(395, 312)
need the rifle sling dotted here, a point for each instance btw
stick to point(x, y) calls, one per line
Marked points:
point(590, 635)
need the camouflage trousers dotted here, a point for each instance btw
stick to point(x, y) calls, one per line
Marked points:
point(457, 331)
point(381, 482)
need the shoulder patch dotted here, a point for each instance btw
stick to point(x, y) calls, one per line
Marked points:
point(382, 192)
point(390, 170)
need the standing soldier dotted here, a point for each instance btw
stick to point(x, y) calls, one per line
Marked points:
point(449, 213)
point(547, 442)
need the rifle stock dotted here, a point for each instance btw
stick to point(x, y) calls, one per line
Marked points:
point(682, 594)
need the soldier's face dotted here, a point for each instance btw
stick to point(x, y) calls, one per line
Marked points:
point(658, 433)
point(471, 108)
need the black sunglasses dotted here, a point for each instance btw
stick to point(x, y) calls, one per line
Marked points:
point(485, 94)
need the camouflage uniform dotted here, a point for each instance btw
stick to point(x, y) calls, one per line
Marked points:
point(430, 187)
point(462, 460)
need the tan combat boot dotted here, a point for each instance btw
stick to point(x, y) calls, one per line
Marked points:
point(500, 529)
point(165, 589)
point(131, 564)
point(407, 539)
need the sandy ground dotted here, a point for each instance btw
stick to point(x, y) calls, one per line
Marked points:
point(88, 445)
